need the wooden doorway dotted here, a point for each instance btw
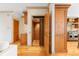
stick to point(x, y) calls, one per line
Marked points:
point(45, 38)
point(38, 30)
point(16, 30)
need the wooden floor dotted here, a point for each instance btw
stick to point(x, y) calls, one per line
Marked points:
point(36, 50)
point(30, 51)
point(71, 48)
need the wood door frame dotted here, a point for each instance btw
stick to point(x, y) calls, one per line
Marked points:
point(48, 8)
point(46, 34)
point(32, 31)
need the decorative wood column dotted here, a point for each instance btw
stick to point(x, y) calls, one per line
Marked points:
point(46, 34)
point(61, 27)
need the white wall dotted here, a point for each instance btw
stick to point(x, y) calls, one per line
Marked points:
point(6, 27)
point(33, 12)
point(73, 10)
point(52, 12)
point(22, 27)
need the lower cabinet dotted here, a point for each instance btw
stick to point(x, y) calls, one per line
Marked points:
point(23, 39)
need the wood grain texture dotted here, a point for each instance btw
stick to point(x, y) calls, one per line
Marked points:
point(61, 28)
point(23, 50)
point(23, 39)
point(15, 30)
point(46, 34)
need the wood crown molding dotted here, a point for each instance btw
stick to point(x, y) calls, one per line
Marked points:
point(62, 5)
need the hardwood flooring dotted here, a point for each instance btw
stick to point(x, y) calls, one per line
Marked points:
point(30, 51)
point(72, 50)
point(36, 50)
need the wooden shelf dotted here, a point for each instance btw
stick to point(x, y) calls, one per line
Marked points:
point(74, 24)
point(74, 21)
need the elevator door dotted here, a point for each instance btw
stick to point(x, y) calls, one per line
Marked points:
point(38, 31)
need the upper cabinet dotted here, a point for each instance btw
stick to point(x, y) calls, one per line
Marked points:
point(25, 17)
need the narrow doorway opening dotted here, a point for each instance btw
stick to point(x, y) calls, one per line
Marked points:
point(38, 31)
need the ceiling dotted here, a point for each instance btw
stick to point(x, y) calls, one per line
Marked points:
point(19, 6)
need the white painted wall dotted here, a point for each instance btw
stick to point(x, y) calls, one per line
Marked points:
point(32, 12)
point(6, 27)
point(73, 10)
point(22, 27)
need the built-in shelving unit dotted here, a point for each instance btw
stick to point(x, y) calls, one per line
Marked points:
point(73, 28)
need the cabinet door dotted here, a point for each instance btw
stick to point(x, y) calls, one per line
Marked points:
point(23, 39)
point(16, 30)
point(60, 30)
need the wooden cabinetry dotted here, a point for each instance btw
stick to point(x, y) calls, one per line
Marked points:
point(60, 27)
point(72, 26)
point(15, 30)
point(73, 22)
point(23, 39)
